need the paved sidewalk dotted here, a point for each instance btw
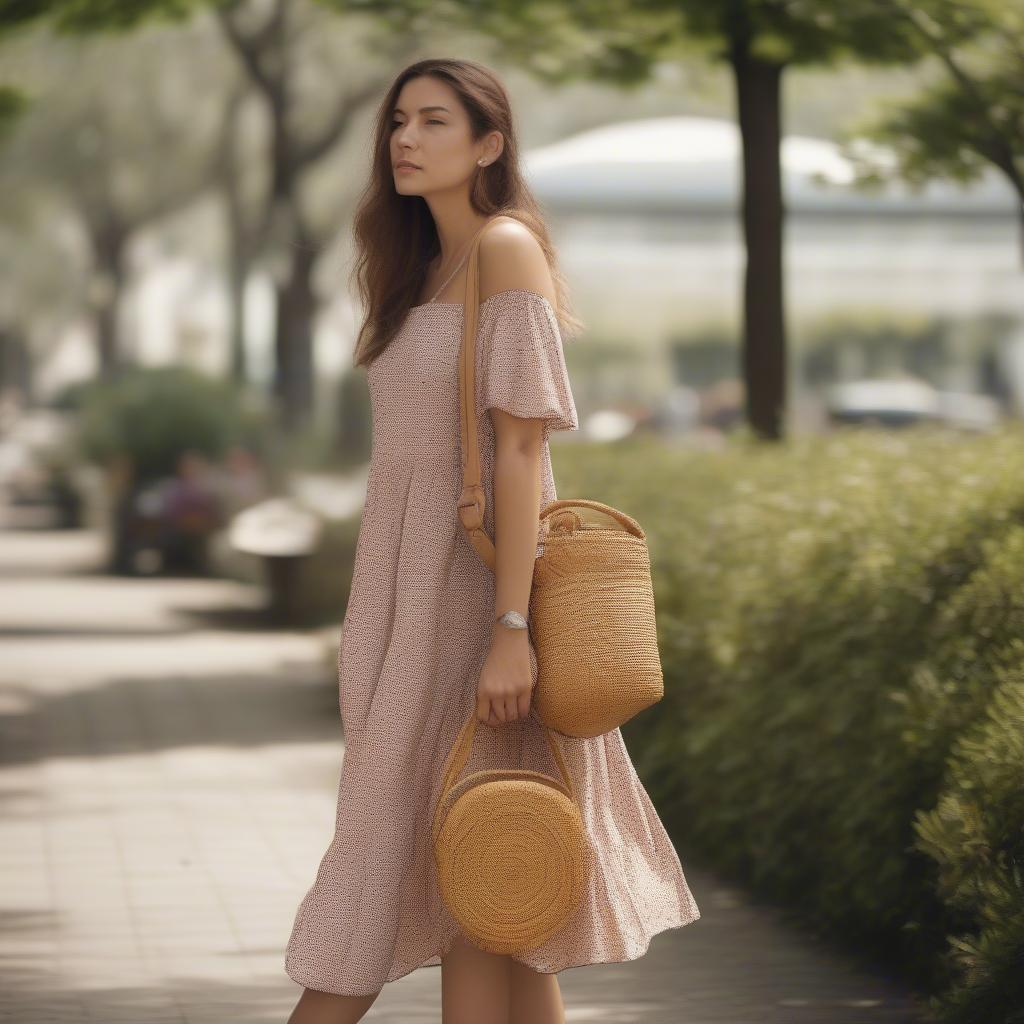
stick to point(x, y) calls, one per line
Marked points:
point(167, 782)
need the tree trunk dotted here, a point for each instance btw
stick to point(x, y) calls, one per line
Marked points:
point(106, 337)
point(1020, 224)
point(293, 341)
point(108, 243)
point(758, 95)
point(16, 367)
point(237, 266)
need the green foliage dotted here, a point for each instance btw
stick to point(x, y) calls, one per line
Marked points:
point(833, 617)
point(704, 355)
point(975, 636)
point(883, 342)
point(151, 416)
point(78, 16)
point(783, 33)
point(880, 342)
point(976, 834)
point(12, 105)
point(15, 13)
point(965, 121)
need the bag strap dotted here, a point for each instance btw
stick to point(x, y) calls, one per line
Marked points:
point(472, 501)
point(459, 755)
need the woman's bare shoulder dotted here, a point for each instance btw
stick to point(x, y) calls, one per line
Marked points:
point(511, 257)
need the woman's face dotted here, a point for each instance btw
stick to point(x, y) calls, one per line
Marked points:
point(430, 128)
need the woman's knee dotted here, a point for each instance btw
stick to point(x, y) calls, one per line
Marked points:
point(474, 985)
point(535, 996)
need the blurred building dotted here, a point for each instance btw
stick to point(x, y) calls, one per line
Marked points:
point(645, 215)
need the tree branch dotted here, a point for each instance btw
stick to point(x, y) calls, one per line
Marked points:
point(314, 148)
point(248, 48)
point(1000, 149)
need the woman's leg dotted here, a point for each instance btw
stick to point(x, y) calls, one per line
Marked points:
point(474, 985)
point(536, 997)
point(316, 1007)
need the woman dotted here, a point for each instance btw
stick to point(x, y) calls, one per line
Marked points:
point(426, 636)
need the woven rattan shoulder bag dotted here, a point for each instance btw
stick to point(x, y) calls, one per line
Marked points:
point(513, 859)
point(591, 614)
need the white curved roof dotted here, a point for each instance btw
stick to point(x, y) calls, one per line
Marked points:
point(693, 163)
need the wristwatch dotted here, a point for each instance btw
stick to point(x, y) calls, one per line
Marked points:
point(513, 620)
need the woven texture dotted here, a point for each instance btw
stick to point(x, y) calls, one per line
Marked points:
point(511, 851)
point(593, 620)
point(413, 640)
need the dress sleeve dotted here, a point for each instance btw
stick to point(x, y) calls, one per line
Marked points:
point(520, 365)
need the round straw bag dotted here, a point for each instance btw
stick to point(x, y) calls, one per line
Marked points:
point(511, 853)
point(592, 602)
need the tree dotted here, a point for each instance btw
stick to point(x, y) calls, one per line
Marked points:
point(106, 150)
point(270, 48)
point(276, 44)
point(759, 40)
point(970, 118)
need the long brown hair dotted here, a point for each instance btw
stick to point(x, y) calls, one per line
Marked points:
point(395, 236)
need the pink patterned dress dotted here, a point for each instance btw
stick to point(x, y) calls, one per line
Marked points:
point(414, 638)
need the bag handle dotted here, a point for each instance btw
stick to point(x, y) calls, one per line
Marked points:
point(629, 524)
point(472, 501)
point(459, 755)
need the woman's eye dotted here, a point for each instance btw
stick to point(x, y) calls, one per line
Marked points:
point(433, 120)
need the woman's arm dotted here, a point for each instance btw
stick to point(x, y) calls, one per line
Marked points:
point(510, 257)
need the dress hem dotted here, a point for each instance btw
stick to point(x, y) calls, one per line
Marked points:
point(296, 975)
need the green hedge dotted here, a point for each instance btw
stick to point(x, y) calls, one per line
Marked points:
point(153, 414)
point(840, 625)
point(974, 698)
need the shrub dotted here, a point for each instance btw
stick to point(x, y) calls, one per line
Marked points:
point(153, 415)
point(834, 615)
point(976, 834)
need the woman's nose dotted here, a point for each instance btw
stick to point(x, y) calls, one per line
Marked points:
point(402, 136)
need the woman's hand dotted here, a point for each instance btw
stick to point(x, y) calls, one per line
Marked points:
point(507, 678)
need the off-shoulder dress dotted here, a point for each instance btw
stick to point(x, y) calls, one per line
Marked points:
point(413, 640)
